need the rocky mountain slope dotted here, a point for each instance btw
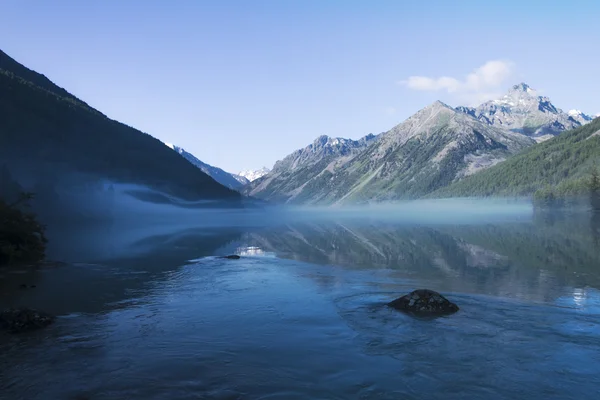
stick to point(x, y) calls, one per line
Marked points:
point(47, 133)
point(561, 166)
point(295, 178)
point(433, 148)
point(523, 110)
point(232, 181)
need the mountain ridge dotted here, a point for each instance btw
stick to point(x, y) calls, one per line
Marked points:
point(225, 178)
point(431, 148)
point(55, 133)
point(252, 175)
point(560, 166)
point(522, 110)
point(292, 174)
point(447, 143)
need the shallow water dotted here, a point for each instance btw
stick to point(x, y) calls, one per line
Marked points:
point(155, 315)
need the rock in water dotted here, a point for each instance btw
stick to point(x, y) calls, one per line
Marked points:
point(232, 257)
point(22, 320)
point(424, 302)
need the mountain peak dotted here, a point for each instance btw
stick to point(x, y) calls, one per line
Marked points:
point(434, 107)
point(522, 87)
point(574, 113)
point(438, 104)
point(520, 91)
point(323, 139)
point(522, 110)
point(252, 175)
point(580, 116)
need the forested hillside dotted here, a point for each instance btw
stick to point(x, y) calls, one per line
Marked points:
point(562, 166)
point(45, 132)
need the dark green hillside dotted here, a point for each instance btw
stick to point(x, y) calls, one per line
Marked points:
point(39, 80)
point(561, 166)
point(44, 129)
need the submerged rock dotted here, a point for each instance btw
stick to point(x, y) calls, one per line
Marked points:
point(232, 257)
point(424, 302)
point(22, 320)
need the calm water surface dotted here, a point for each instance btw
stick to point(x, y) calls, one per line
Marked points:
point(151, 313)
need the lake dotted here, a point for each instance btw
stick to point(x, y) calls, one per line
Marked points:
point(147, 311)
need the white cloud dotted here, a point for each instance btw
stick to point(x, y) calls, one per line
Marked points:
point(432, 84)
point(479, 85)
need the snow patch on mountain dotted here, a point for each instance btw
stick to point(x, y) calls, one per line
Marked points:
point(522, 110)
point(322, 147)
point(252, 175)
point(580, 117)
point(434, 147)
point(317, 162)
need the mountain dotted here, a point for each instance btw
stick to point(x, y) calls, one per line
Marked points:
point(580, 117)
point(523, 110)
point(294, 178)
point(224, 178)
point(561, 165)
point(47, 133)
point(252, 175)
point(435, 147)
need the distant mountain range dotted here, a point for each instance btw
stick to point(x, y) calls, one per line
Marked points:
point(230, 180)
point(50, 140)
point(252, 175)
point(47, 135)
point(435, 148)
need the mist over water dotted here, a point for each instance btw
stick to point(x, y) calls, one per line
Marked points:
point(148, 311)
point(137, 204)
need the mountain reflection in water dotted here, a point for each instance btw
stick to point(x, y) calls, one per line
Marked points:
point(150, 313)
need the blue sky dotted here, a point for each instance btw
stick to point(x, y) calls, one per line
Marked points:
point(241, 84)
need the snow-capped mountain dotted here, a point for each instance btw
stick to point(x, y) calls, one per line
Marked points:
point(580, 117)
point(431, 149)
point(322, 147)
point(252, 175)
point(523, 110)
point(232, 181)
point(437, 146)
point(305, 167)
